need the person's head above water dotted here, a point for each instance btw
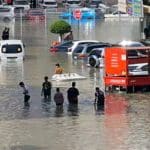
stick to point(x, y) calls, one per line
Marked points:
point(57, 65)
point(21, 84)
point(46, 78)
point(73, 84)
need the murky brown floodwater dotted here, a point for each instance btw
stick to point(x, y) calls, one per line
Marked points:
point(123, 125)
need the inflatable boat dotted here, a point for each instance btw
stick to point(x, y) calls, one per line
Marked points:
point(67, 76)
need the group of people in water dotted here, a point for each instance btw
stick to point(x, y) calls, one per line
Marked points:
point(72, 92)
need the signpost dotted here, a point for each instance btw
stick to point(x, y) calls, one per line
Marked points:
point(77, 14)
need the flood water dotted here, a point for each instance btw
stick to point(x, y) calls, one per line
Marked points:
point(124, 124)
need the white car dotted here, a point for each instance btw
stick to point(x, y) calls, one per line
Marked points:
point(138, 69)
point(49, 4)
point(117, 14)
point(12, 49)
point(7, 13)
point(76, 43)
point(21, 4)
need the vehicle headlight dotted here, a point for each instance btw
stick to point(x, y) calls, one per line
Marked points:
point(19, 50)
point(3, 50)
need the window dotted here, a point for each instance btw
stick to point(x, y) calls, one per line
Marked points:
point(4, 10)
point(11, 49)
point(78, 49)
point(21, 3)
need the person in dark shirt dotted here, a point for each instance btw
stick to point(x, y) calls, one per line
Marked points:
point(99, 97)
point(5, 34)
point(73, 94)
point(46, 88)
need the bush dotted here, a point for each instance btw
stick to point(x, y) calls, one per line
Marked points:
point(60, 27)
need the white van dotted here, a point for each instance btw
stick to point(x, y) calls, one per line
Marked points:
point(49, 4)
point(11, 49)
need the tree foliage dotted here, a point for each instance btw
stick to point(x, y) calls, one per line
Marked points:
point(60, 27)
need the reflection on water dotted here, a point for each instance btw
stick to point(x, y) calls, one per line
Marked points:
point(83, 127)
point(11, 72)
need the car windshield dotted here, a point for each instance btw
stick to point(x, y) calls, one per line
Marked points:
point(21, 3)
point(73, 2)
point(15, 48)
point(50, 3)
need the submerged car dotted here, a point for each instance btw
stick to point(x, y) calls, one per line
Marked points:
point(81, 42)
point(63, 47)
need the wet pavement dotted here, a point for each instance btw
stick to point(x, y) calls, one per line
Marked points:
point(124, 123)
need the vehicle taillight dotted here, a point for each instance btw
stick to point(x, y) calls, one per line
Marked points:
point(53, 49)
point(82, 55)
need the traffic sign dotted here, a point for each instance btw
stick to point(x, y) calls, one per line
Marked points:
point(77, 14)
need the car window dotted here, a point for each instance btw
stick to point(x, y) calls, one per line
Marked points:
point(4, 10)
point(92, 47)
point(86, 43)
point(96, 52)
point(21, 3)
point(78, 49)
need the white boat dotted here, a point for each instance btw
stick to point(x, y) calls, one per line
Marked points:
point(67, 77)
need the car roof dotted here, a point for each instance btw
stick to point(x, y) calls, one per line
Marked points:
point(10, 42)
point(86, 41)
point(129, 43)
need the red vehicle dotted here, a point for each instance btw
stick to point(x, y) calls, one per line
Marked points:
point(118, 62)
point(36, 14)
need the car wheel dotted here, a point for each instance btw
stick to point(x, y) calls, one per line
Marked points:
point(94, 61)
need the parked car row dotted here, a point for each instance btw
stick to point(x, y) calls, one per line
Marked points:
point(94, 51)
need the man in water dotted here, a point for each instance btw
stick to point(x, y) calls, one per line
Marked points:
point(46, 88)
point(73, 94)
point(99, 97)
point(5, 34)
point(25, 92)
point(59, 98)
point(58, 69)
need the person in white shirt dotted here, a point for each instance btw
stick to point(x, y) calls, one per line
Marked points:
point(25, 92)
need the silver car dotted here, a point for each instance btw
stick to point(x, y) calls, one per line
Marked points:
point(7, 13)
